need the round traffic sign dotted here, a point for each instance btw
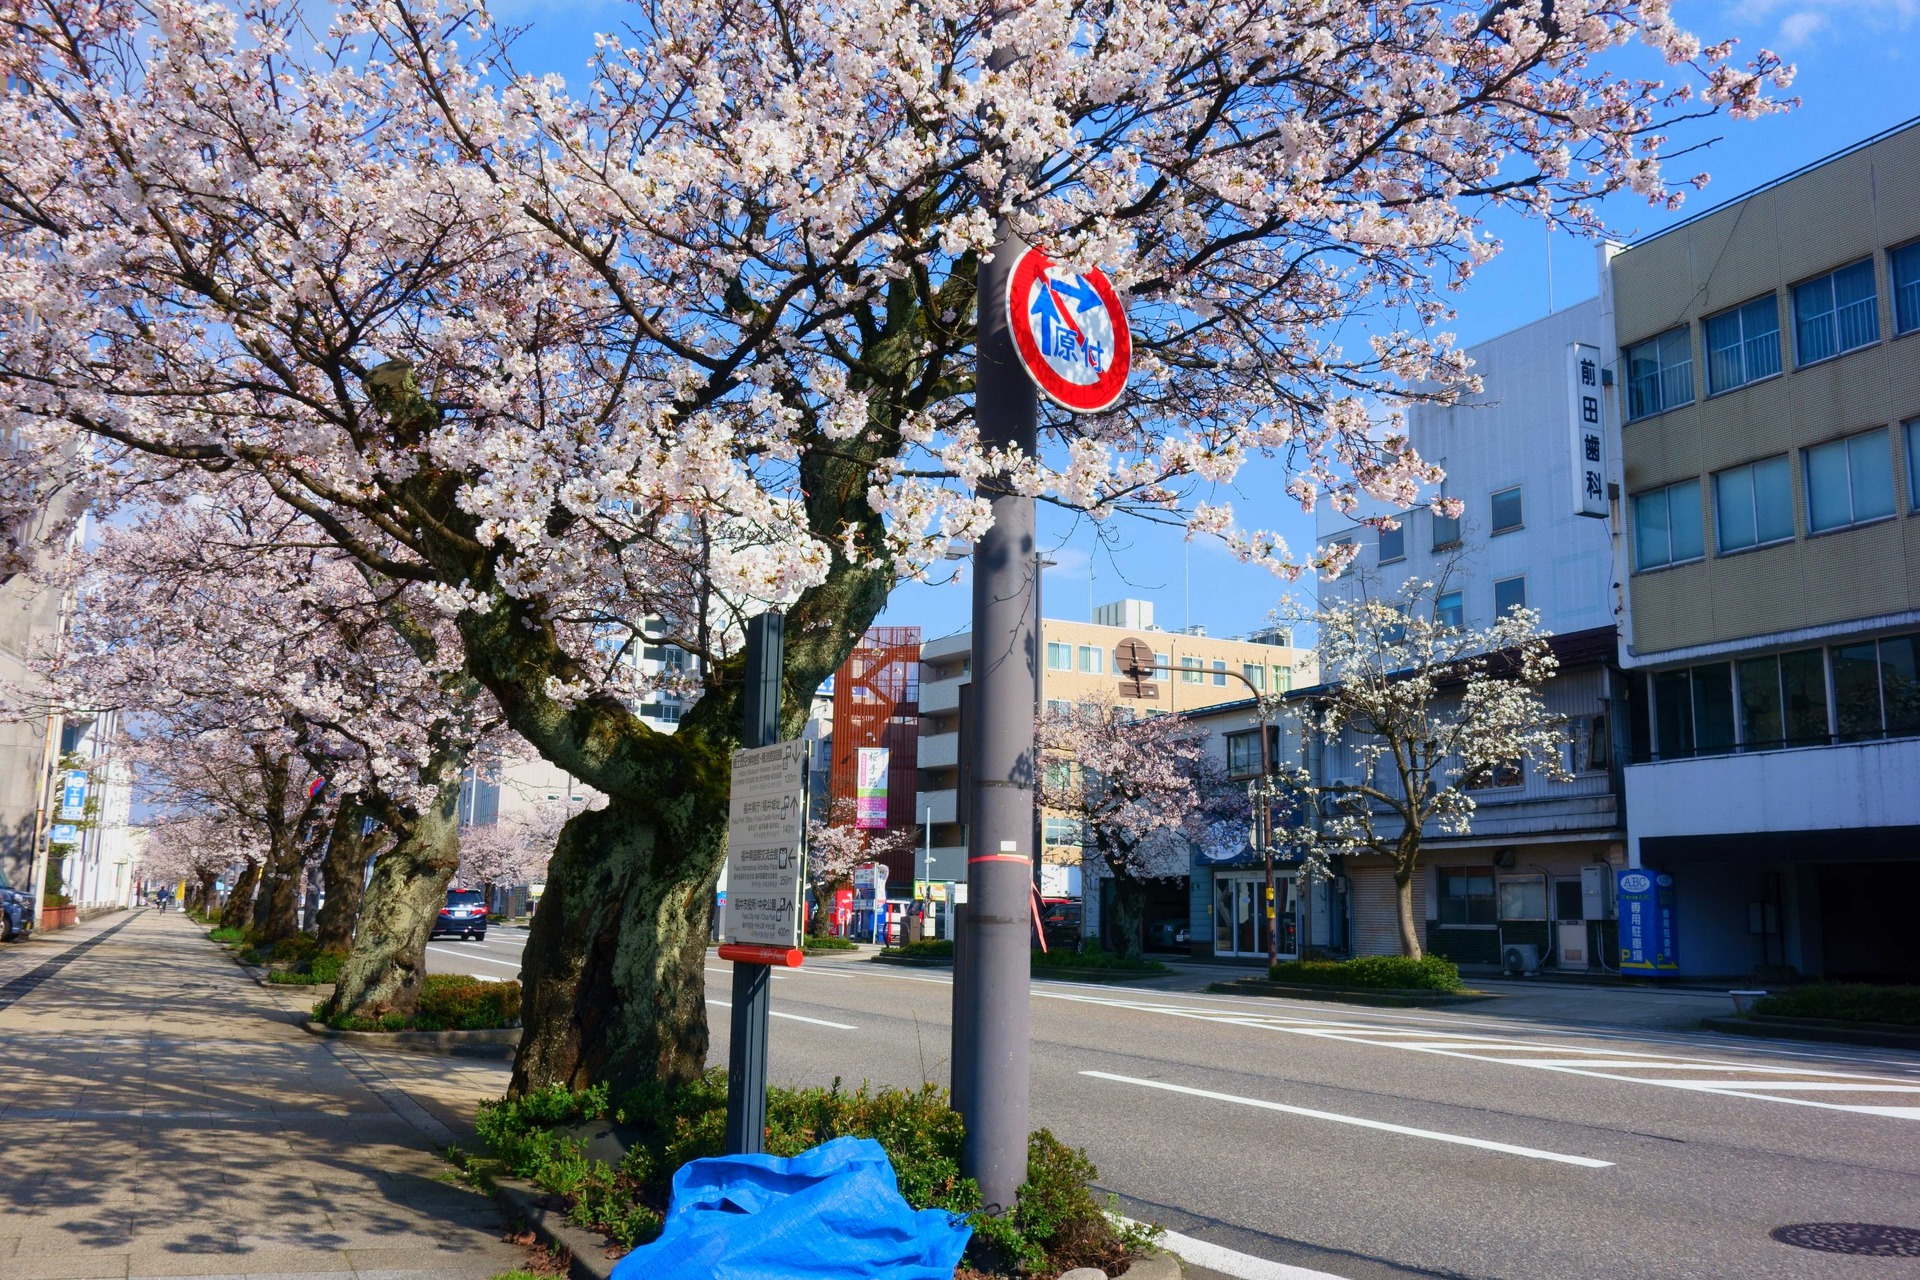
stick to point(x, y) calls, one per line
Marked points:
point(1070, 331)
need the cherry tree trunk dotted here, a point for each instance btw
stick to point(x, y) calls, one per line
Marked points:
point(206, 890)
point(276, 906)
point(388, 961)
point(615, 991)
point(239, 909)
point(1409, 928)
point(343, 876)
point(1129, 911)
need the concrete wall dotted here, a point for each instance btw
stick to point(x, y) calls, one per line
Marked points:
point(1862, 785)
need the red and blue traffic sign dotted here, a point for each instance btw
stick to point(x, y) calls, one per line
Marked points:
point(1070, 331)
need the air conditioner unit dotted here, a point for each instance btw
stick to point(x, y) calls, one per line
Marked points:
point(1519, 957)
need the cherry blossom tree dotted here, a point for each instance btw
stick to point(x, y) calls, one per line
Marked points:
point(835, 846)
point(1141, 789)
point(695, 340)
point(517, 848)
point(1415, 715)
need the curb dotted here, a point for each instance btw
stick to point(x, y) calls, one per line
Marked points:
point(494, 1042)
point(587, 1249)
point(1062, 974)
point(1814, 1029)
point(912, 962)
point(1383, 998)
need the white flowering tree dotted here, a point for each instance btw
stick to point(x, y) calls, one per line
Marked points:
point(1414, 715)
point(835, 846)
point(1141, 790)
point(694, 339)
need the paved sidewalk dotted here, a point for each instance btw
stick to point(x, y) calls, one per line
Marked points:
point(161, 1115)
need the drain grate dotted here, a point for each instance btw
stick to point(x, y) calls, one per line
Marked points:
point(1863, 1239)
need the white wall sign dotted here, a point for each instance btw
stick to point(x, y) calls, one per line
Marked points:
point(767, 806)
point(1586, 414)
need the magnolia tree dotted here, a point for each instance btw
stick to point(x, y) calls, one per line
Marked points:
point(694, 339)
point(1143, 790)
point(1416, 715)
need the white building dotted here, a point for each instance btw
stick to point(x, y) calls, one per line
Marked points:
point(1533, 870)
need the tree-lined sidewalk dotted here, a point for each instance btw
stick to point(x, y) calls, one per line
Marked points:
point(162, 1115)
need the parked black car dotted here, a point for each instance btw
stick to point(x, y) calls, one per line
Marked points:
point(1060, 921)
point(464, 914)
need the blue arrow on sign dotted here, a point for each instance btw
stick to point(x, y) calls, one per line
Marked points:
point(1080, 291)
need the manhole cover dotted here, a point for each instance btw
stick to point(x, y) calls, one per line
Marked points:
point(1866, 1239)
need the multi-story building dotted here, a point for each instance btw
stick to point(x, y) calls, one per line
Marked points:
point(1534, 868)
point(1768, 358)
point(1193, 670)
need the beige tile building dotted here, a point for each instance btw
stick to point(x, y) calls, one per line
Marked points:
point(1767, 380)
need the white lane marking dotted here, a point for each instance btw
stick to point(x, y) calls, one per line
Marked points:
point(1802, 1086)
point(1485, 1144)
point(790, 1017)
point(470, 958)
point(1231, 1262)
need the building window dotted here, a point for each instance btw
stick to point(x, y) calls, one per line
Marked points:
point(1913, 464)
point(1219, 672)
point(1090, 659)
point(1059, 656)
point(1849, 481)
point(1059, 708)
point(1667, 527)
point(1509, 593)
point(1450, 610)
point(1446, 531)
point(1393, 543)
point(1835, 313)
point(1900, 684)
point(1523, 898)
point(1905, 262)
point(1256, 674)
point(1243, 751)
point(1506, 510)
point(1190, 672)
point(1282, 679)
point(1061, 831)
point(1753, 504)
point(1466, 896)
point(1659, 373)
point(1743, 345)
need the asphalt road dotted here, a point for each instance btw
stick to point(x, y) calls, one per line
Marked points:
point(1372, 1144)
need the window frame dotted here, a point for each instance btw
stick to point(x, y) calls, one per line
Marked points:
point(1633, 517)
point(1493, 506)
point(1469, 876)
point(1829, 278)
point(1753, 501)
point(1910, 252)
point(1738, 314)
point(1459, 609)
point(1845, 443)
point(1626, 363)
point(1090, 660)
point(1442, 524)
point(1065, 649)
point(1191, 672)
point(1910, 438)
point(1498, 612)
point(1399, 535)
point(1220, 673)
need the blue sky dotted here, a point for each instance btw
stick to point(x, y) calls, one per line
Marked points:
point(1856, 61)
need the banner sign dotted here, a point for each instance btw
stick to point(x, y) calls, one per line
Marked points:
point(869, 886)
point(870, 789)
point(73, 795)
point(63, 833)
point(1589, 434)
point(1647, 943)
point(766, 814)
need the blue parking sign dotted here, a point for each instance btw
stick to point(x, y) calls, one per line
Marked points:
point(1647, 942)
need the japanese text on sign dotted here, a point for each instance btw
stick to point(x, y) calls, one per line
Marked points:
point(765, 867)
point(1586, 415)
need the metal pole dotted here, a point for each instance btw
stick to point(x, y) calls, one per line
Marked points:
point(992, 1059)
point(1265, 827)
point(752, 986)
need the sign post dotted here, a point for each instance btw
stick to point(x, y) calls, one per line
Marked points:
point(766, 818)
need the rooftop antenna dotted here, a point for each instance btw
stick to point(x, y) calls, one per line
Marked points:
point(1188, 575)
point(1549, 268)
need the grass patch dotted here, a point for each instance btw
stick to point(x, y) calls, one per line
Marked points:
point(827, 942)
point(1058, 1223)
point(925, 949)
point(227, 936)
point(448, 1002)
point(1897, 1006)
point(1393, 973)
point(318, 970)
point(1096, 958)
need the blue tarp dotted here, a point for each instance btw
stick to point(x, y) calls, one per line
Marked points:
point(835, 1211)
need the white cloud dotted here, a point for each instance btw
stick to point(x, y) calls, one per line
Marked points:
point(1800, 21)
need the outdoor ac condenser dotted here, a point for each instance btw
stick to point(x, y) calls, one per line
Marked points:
point(1519, 957)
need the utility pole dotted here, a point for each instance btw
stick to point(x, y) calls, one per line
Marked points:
point(753, 983)
point(990, 1051)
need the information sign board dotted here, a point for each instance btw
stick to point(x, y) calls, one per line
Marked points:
point(73, 795)
point(765, 869)
point(1647, 943)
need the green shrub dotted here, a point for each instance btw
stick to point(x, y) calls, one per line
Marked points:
point(1094, 957)
point(1057, 1223)
point(1402, 973)
point(925, 949)
point(1845, 1001)
point(228, 936)
point(448, 1002)
point(827, 942)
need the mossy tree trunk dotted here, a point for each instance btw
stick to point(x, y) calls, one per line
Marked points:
point(387, 962)
point(1129, 914)
point(239, 906)
point(343, 875)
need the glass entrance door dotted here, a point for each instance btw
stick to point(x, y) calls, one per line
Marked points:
point(1240, 926)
